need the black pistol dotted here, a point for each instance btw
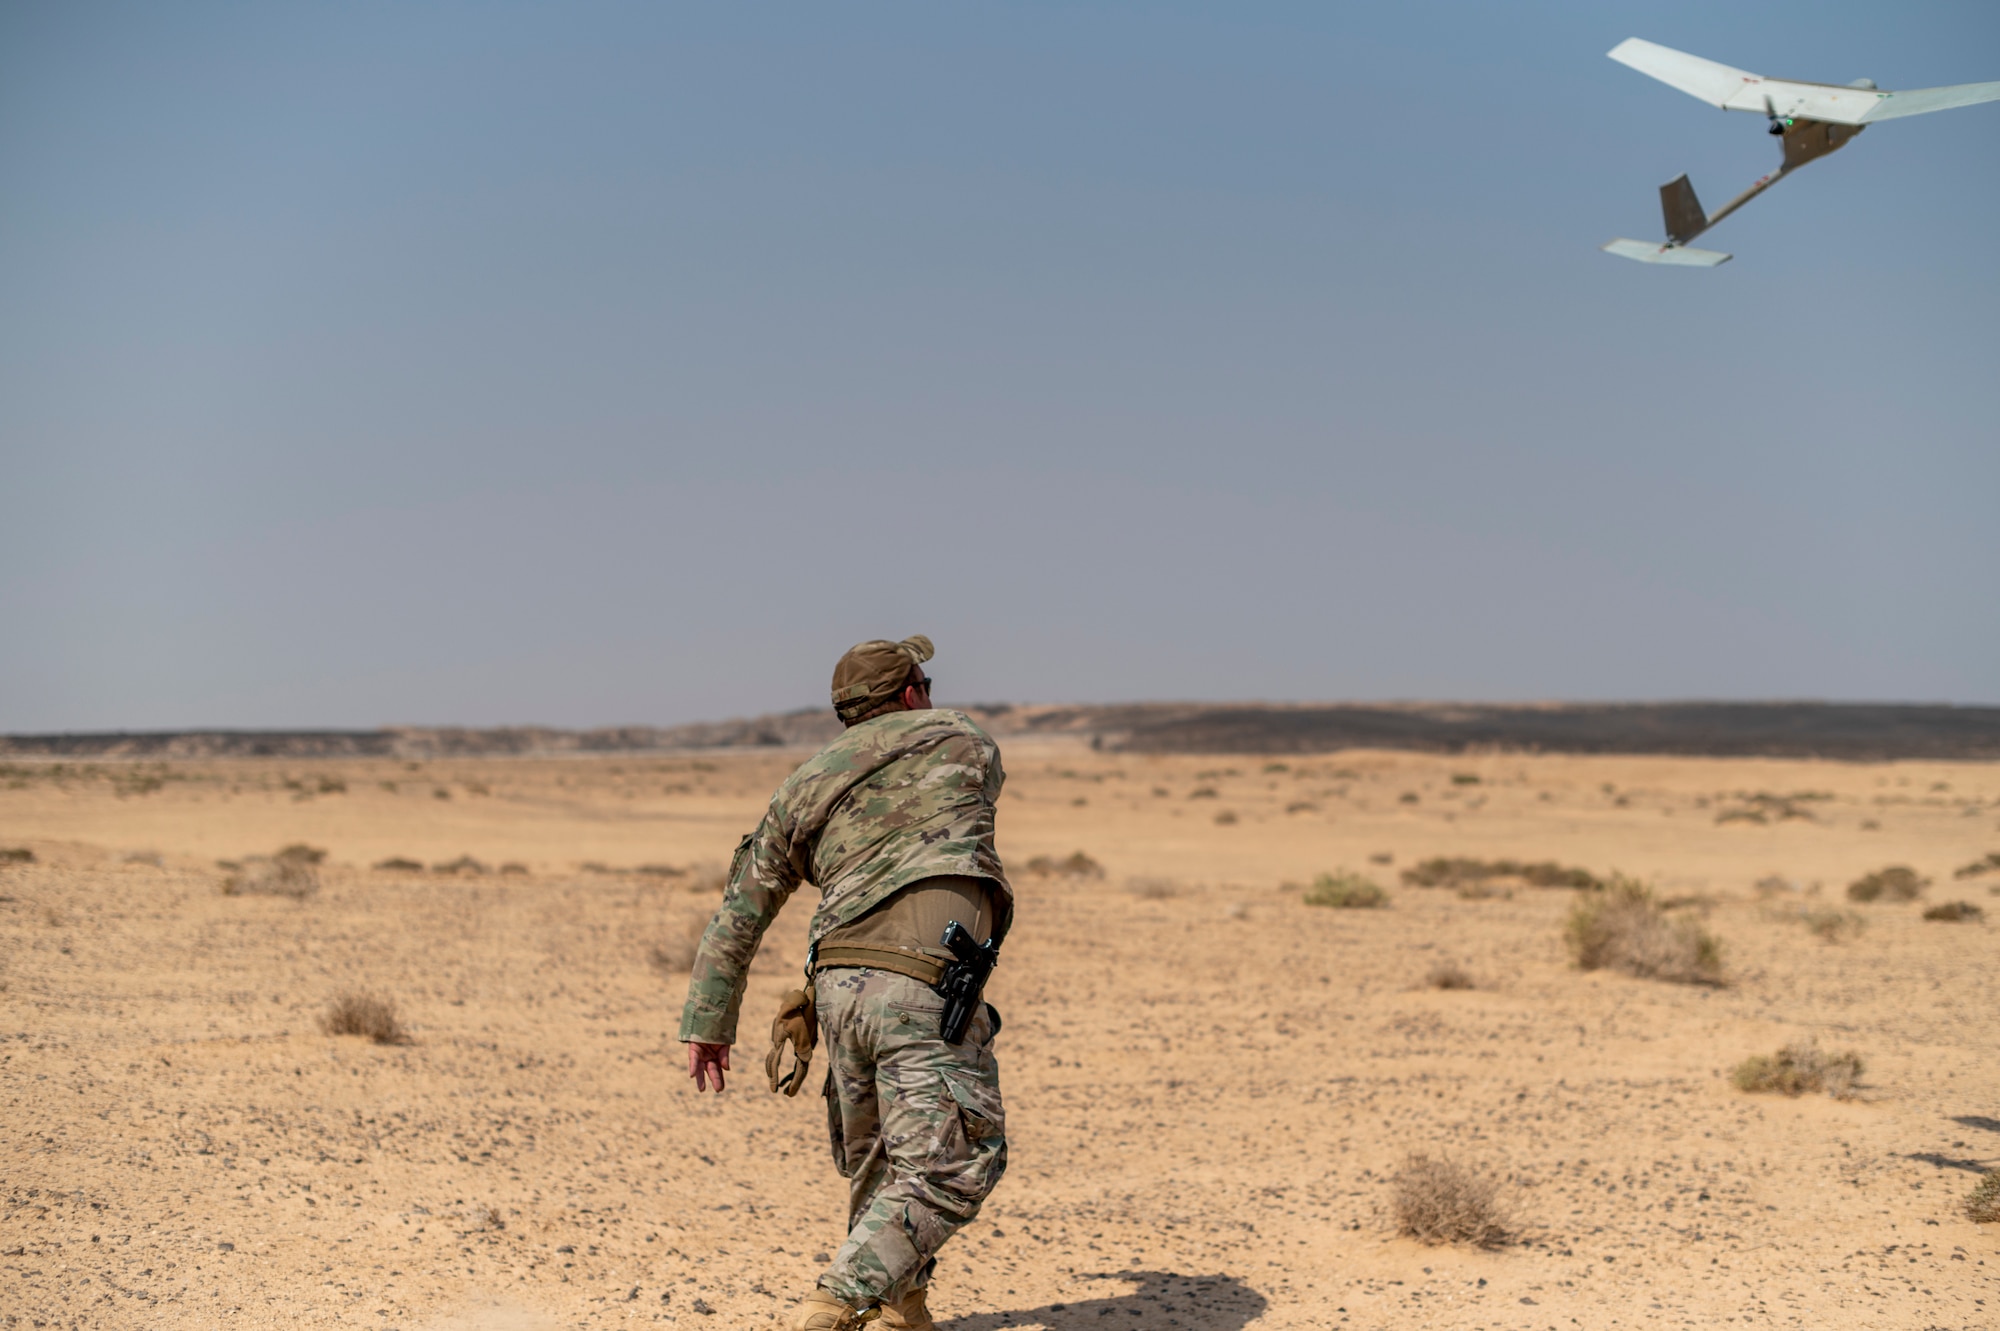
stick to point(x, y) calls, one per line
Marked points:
point(964, 980)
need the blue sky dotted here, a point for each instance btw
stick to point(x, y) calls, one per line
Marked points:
point(593, 363)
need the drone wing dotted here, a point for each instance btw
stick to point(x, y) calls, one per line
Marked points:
point(1832, 103)
point(1703, 79)
point(1918, 101)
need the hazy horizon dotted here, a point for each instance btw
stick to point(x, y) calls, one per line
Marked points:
point(620, 364)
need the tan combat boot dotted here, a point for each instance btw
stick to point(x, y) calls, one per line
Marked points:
point(821, 1311)
point(908, 1314)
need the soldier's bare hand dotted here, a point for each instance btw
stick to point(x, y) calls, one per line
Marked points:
point(706, 1062)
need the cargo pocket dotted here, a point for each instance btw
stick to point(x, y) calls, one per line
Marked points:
point(978, 1105)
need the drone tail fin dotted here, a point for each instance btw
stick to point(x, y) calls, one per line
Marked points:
point(1682, 210)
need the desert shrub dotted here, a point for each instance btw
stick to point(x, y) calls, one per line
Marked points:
point(708, 877)
point(150, 858)
point(293, 872)
point(661, 871)
point(1484, 892)
point(674, 954)
point(1983, 1206)
point(1955, 912)
point(1204, 793)
point(463, 864)
point(398, 864)
point(1459, 871)
point(1408, 797)
point(1799, 1067)
point(1464, 779)
point(1227, 818)
point(1438, 1201)
point(16, 855)
point(1074, 865)
point(1898, 882)
point(1623, 927)
point(1830, 924)
point(1990, 864)
point(1153, 889)
point(1302, 806)
point(1346, 891)
point(1447, 975)
point(513, 866)
point(364, 1015)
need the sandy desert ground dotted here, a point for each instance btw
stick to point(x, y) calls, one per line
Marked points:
point(1210, 1083)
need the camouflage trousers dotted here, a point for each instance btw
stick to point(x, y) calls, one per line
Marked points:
point(917, 1127)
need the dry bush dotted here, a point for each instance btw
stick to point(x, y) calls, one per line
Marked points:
point(481, 1218)
point(1485, 892)
point(1227, 818)
point(661, 871)
point(1437, 1201)
point(398, 864)
point(463, 864)
point(708, 877)
point(674, 954)
point(1898, 882)
point(1074, 865)
point(366, 1015)
point(1459, 871)
point(1798, 1068)
point(1955, 912)
point(1623, 927)
point(1345, 891)
point(513, 866)
point(293, 872)
point(1447, 975)
point(150, 858)
point(16, 855)
point(1983, 1206)
point(1990, 864)
point(1830, 924)
point(1153, 889)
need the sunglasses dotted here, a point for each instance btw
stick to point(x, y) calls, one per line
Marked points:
point(923, 683)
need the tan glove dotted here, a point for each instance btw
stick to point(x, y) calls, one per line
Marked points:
point(796, 1024)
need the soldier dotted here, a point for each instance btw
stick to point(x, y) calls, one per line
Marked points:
point(894, 823)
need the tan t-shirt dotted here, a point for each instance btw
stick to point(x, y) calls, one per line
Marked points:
point(914, 919)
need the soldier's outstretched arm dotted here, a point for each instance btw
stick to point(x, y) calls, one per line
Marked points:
point(762, 876)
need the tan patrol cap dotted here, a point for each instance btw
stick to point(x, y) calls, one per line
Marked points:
point(873, 672)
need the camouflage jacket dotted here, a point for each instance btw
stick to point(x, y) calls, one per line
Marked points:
point(899, 798)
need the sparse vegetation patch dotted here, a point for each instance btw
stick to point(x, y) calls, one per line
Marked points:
point(1153, 889)
point(1448, 975)
point(1624, 927)
point(1074, 865)
point(1898, 882)
point(1831, 924)
point(1955, 912)
point(1440, 1201)
point(398, 864)
point(1800, 1067)
point(1983, 1206)
point(1989, 864)
point(16, 855)
point(293, 872)
point(1459, 871)
point(1345, 891)
point(364, 1015)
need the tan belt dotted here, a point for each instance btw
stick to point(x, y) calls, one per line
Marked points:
point(894, 959)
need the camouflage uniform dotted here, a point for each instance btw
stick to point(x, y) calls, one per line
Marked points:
point(916, 1124)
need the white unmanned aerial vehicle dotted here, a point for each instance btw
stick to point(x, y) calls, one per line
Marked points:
point(1814, 118)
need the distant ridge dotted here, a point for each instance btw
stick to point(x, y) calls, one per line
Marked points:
point(1868, 732)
